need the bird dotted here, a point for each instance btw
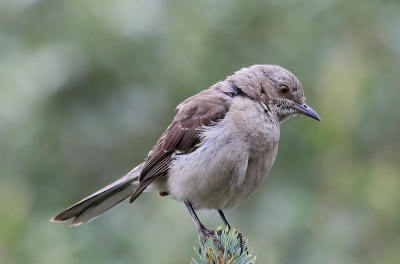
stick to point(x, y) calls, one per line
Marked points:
point(219, 148)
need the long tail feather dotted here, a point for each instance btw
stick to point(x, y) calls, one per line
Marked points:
point(100, 201)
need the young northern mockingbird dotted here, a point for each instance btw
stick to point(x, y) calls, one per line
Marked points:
point(218, 149)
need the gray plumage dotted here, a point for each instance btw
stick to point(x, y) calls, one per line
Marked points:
point(218, 149)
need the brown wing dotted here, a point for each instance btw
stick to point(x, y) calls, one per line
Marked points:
point(181, 136)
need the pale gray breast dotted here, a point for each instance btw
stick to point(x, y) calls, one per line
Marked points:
point(232, 160)
point(261, 131)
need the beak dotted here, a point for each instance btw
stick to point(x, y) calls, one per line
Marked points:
point(306, 110)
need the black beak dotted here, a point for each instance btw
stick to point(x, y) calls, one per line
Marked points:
point(306, 110)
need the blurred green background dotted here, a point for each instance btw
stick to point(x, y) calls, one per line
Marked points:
point(87, 87)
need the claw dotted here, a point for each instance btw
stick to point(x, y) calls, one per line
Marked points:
point(204, 232)
point(242, 242)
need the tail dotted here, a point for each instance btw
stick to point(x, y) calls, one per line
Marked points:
point(101, 201)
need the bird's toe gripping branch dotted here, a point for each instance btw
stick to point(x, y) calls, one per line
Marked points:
point(234, 248)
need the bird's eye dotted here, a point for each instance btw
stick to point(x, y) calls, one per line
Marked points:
point(284, 89)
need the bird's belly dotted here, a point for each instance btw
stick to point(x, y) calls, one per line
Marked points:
point(219, 176)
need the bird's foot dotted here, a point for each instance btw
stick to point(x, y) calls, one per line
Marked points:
point(241, 239)
point(242, 242)
point(204, 232)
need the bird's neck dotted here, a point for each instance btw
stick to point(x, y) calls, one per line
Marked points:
point(257, 121)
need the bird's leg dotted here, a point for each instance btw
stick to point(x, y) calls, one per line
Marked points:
point(224, 219)
point(240, 234)
point(204, 232)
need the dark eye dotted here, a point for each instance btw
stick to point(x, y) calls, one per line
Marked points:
point(284, 89)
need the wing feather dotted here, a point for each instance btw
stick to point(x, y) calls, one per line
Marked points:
point(182, 136)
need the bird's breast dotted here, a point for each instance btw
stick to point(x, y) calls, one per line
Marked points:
point(233, 159)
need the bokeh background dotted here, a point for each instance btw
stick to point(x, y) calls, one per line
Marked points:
point(87, 87)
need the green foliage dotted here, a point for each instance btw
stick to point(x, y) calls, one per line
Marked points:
point(87, 88)
point(210, 253)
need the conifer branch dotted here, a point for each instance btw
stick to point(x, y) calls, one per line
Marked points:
point(209, 252)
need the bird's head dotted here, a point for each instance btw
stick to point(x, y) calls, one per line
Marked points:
point(276, 87)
